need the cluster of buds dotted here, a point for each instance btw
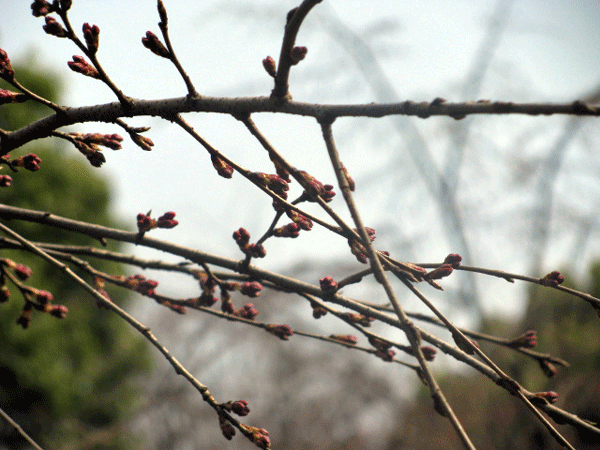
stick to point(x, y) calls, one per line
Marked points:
point(142, 142)
point(34, 298)
point(357, 318)
point(29, 162)
point(5, 180)
point(152, 43)
point(300, 219)
point(140, 284)
point(454, 260)
point(40, 8)
point(328, 285)
point(314, 188)
point(526, 340)
point(223, 169)
point(147, 223)
point(7, 97)
point(382, 349)
point(270, 66)
point(552, 279)
point(248, 288)
point(248, 311)
point(427, 351)
point(91, 34)
point(260, 436)
point(226, 428)
point(348, 339)
point(54, 28)
point(298, 54)
point(359, 250)
point(242, 239)
point(543, 398)
point(272, 182)
point(6, 70)
point(291, 230)
point(318, 310)
point(112, 141)
point(283, 332)
point(80, 65)
point(239, 407)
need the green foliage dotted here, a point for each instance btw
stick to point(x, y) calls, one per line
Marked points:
point(63, 379)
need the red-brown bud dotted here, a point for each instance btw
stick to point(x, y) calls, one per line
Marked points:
point(54, 28)
point(552, 279)
point(251, 288)
point(166, 220)
point(357, 318)
point(80, 65)
point(41, 8)
point(428, 352)
point(328, 285)
point(59, 311)
point(152, 43)
point(526, 340)
point(240, 407)
point(439, 272)
point(270, 66)
point(141, 141)
point(345, 338)
point(91, 35)
point(298, 54)
point(7, 97)
point(349, 179)
point(226, 428)
point(283, 332)
point(248, 311)
point(548, 396)
point(547, 367)
point(291, 230)
point(223, 169)
point(6, 70)
point(453, 259)
point(22, 271)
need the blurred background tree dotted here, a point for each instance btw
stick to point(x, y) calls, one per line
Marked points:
point(70, 383)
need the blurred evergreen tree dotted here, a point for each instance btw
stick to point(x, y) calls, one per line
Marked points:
point(68, 382)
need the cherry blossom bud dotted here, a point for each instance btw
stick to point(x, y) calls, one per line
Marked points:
point(145, 223)
point(141, 141)
point(379, 343)
point(349, 179)
point(357, 318)
point(162, 13)
point(65, 5)
point(22, 271)
point(270, 66)
point(4, 294)
point(248, 311)
point(41, 8)
point(226, 428)
point(328, 285)
point(59, 311)
point(223, 169)
point(453, 259)
point(5, 180)
point(6, 70)
point(386, 355)
point(152, 43)
point(428, 352)
point(44, 297)
point(7, 97)
point(301, 220)
point(439, 272)
point(91, 35)
point(291, 230)
point(526, 340)
point(240, 407)
point(80, 65)
point(54, 28)
point(283, 332)
point(251, 288)
point(318, 310)
point(548, 396)
point(298, 54)
point(241, 236)
point(166, 220)
point(24, 318)
point(344, 338)
point(552, 279)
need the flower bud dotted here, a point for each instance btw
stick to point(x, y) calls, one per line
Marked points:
point(91, 35)
point(54, 28)
point(22, 271)
point(240, 407)
point(283, 332)
point(5, 180)
point(453, 259)
point(439, 272)
point(526, 340)
point(80, 65)
point(270, 66)
point(298, 54)
point(251, 288)
point(349, 339)
point(41, 8)
point(328, 285)
point(552, 279)
point(59, 311)
point(7, 97)
point(152, 43)
point(6, 70)
point(223, 169)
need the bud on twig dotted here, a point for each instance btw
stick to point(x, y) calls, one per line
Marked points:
point(152, 43)
point(80, 65)
point(91, 35)
point(270, 66)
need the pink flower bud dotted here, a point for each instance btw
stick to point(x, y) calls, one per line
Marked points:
point(7, 97)
point(41, 8)
point(428, 352)
point(91, 35)
point(453, 259)
point(270, 66)
point(141, 141)
point(344, 338)
point(5, 180)
point(251, 288)
point(226, 428)
point(526, 340)
point(22, 271)
point(54, 28)
point(298, 54)
point(152, 43)
point(283, 332)
point(552, 279)
point(6, 70)
point(439, 272)
point(549, 396)
point(348, 178)
point(328, 285)
point(240, 407)
point(223, 169)
point(166, 220)
point(59, 311)
point(80, 65)
point(291, 230)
